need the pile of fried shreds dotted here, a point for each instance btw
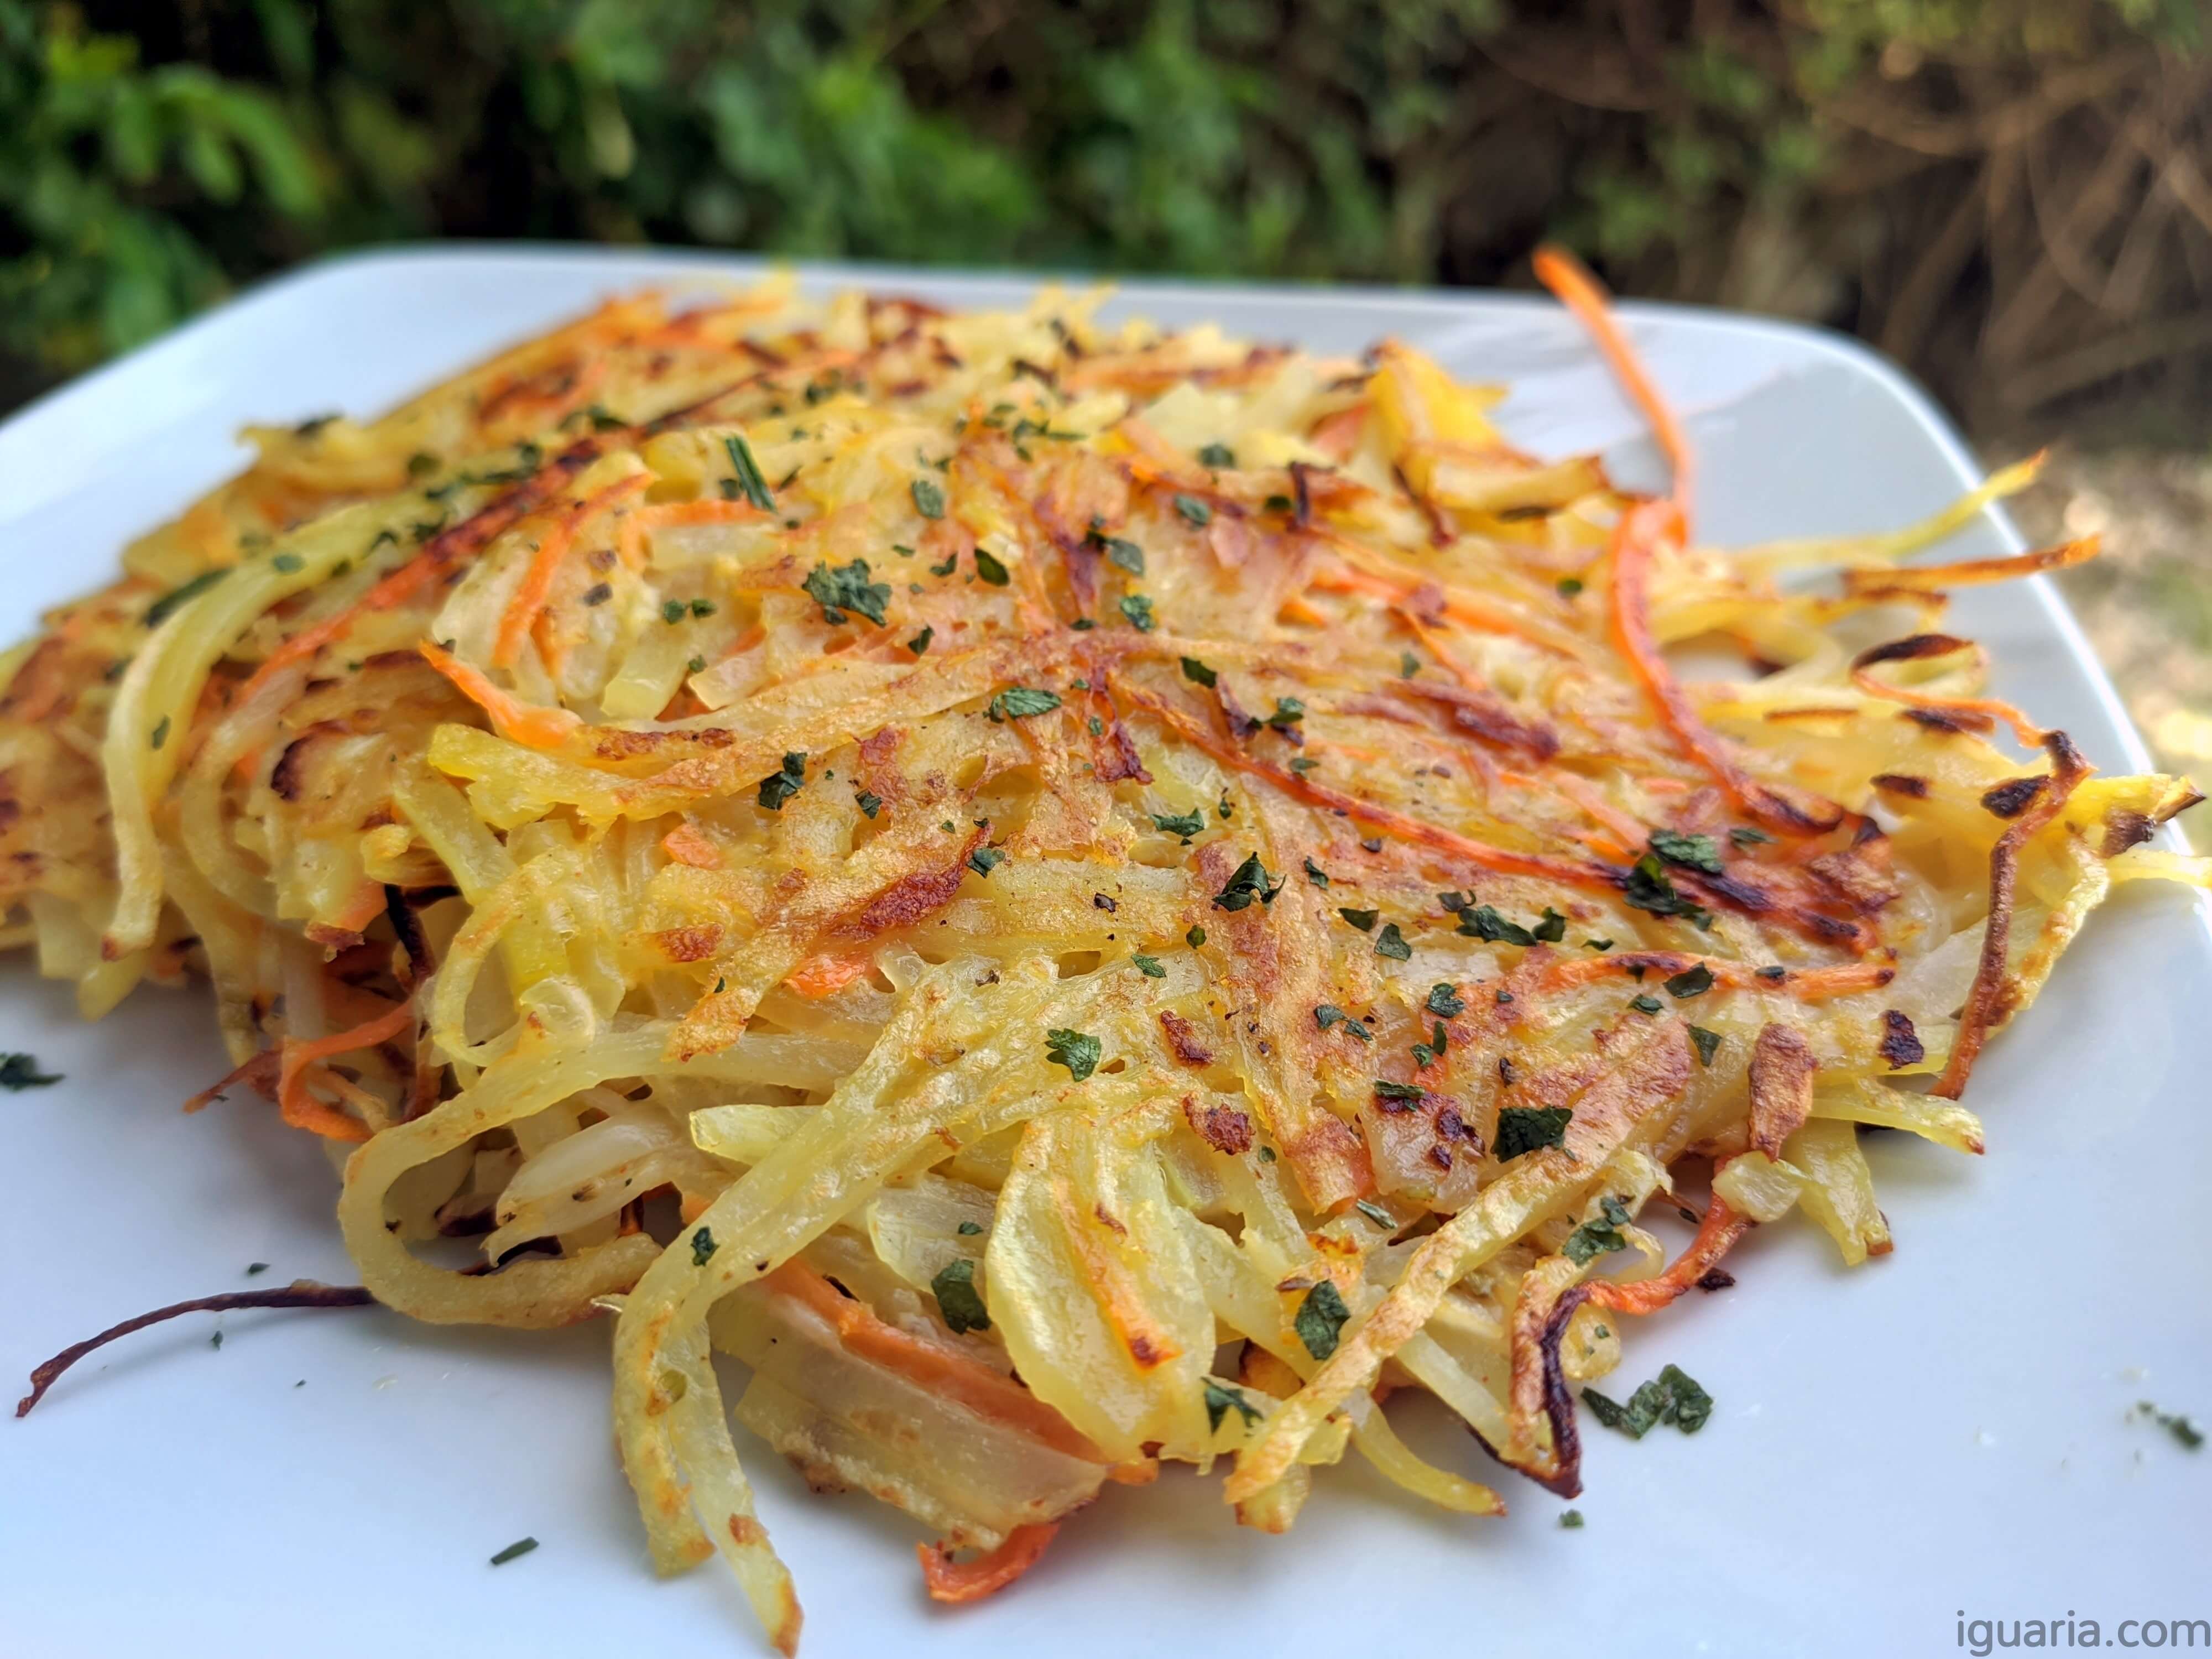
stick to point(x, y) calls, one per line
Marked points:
point(1075, 895)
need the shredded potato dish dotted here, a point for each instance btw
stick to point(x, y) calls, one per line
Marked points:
point(1074, 897)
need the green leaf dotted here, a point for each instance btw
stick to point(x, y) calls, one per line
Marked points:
point(840, 588)
point(991, 569)
point(1320, 1317)
point(1316, 876)
point(928, 498)
point(1139, 610)
point(1392, 944)
point(1197, 511)
point(1364, 921)
point(957, 1300)
point(1708, 1043)
point(1689, 983)
point(1220, 1401)
point(1523, 1129)
point(1185, 824)
point(21, 1072)
point(1248, 881)
point(1021, 702)
point(703, 1247)
point(984, 859)
point(1150, 967)
point(1194, 670)
point(779, 786)
point(1077, 1050)
point(1688, 852)
point(1481, 921)
point(1444, 1002)
point(1216, 455)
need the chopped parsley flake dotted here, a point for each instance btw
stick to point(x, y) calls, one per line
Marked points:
point(1599, 1235)
point(1671, 1397)
point(869, 802)
point(840, 588)
point(969, 1229)
point(1321, 1316)
point(1077, 1050)
point(1364, 921)
point(1647, 888)
point(290, 563)
point(1150, 967)
point(1744, 835)
point(920, 643)
point(957, 1300)
point(1289, 711)
point(1646, 1004)
point(1021, 702)
point(1708, 1043)
point(703, 1247)
point(1248, 881)
point(160, 733)
point(1483, 921)
point(1197, 672)
point(1427, 1053)
point(1194, 938)
point(988, 566)
point(1315, 875)
point(1689, 983)
point(1530, 1128)
point(779, 787)
point(1408, 665)
point(1137, 608)
point(519, 1547)
point(1217, 454)
point(951, 562)
point(1569, 586)
point(1197, 511)
point(1570, 1519)
point(1444, 1002)
point(1185, 824)
point(1125, 554)
point(2173, 1423)
point(1220, 1401)
point(1376, 1214)
point(1392, 944)
point(1552, 929)
point(928, 498)
point(1689, 852)
point(984, 859)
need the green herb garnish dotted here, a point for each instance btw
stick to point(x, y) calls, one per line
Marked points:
point(840, 588)
point(1077, 1050)
point(1530, 1128)
point(1392, 944)
point(957, 1300)
point(1248, 881)
point(928, 498)
point(779, 786)
point(748, 473)
point(1321, 1316)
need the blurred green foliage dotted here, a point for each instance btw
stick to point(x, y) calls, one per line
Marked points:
point(151, 158)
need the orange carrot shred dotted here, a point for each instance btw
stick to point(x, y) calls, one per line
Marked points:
point(302, 1110)
point(986, 1574)
point(530, 595)
point(1575, 288)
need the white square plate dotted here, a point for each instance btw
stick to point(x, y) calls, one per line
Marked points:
point(1942, 1433)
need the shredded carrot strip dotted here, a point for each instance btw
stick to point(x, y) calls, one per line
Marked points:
point(1635, 540)
point(988, 1574)
point(1716, 1234)
point(1808, 984)
point(2030, 734)
point(527, 723)
point(967, 1381)
point(537, 584)
point(1575, 288)
point(302, 1110)
point(260, 1070)
point(825, 976)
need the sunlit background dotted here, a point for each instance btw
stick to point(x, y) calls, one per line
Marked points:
point(2014, 197)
